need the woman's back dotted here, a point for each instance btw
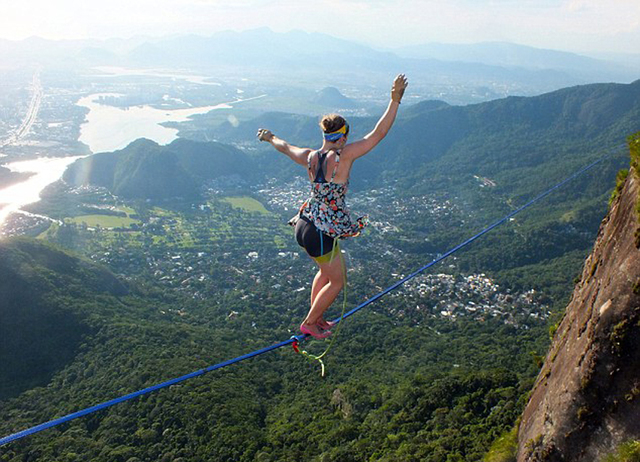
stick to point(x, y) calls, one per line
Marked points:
point(334, 168)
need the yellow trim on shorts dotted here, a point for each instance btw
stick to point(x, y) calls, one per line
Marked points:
point(329, 256)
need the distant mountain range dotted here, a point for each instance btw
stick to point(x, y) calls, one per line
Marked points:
point(301, 51)
point(491, 67)
point(510, 55)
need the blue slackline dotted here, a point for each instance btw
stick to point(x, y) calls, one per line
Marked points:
point(295, 338)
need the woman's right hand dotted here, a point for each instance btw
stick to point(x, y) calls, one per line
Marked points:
point(400, 84)
point(264, 135)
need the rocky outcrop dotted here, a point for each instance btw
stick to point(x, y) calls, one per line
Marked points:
point(586, 400)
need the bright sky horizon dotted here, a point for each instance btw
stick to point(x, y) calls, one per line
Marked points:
point(573, 25)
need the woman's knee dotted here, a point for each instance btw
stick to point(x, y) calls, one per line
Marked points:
point(331, 276)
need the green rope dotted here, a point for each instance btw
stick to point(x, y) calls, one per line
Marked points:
point(312, 357)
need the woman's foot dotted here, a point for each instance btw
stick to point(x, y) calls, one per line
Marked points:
point(314, 331)
point(325, 325)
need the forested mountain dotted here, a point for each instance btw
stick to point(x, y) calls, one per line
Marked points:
point(331, 97)
point(380, 398)
point(41, 327)
point(146, 170)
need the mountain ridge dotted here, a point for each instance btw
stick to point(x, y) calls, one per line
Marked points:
point(297, 51)
point(512, 55)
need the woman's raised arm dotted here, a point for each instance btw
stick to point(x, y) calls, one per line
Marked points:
point(370, 141)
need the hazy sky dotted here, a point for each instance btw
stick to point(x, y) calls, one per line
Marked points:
point(575, 25)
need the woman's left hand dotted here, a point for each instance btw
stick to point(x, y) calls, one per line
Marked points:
point(400, 84)
point(265, 135)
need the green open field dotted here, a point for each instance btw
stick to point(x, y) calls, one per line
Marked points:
point(104, 221)
point(246, 203)
point(128, 210)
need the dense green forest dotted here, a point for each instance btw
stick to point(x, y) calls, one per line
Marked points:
point(138, 286)
point(395, 388)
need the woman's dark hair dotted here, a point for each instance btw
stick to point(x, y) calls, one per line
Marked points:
point(332, 122)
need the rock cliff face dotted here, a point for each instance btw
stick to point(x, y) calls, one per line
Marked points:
point(586, 400)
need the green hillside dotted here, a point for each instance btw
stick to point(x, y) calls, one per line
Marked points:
point(146, 170)
point(434, 145)
point(42, 327)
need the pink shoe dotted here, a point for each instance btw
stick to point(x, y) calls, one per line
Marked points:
point(325, 325)
point(315, 333)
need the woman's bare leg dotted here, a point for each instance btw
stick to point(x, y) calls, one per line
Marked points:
point(319, 281)
point(327, 293)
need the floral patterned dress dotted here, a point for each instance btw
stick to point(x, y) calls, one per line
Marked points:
point(326, 207)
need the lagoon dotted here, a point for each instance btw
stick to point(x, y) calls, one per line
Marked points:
point(108, 128)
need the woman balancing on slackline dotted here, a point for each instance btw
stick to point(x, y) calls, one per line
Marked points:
point(324, 218)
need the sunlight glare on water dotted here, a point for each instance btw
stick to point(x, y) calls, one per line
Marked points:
point(45, 171)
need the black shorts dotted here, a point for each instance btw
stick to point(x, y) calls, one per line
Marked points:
point(315, 242)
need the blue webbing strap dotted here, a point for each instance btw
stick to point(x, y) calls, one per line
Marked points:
point(295, 338)
point(168, 383)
